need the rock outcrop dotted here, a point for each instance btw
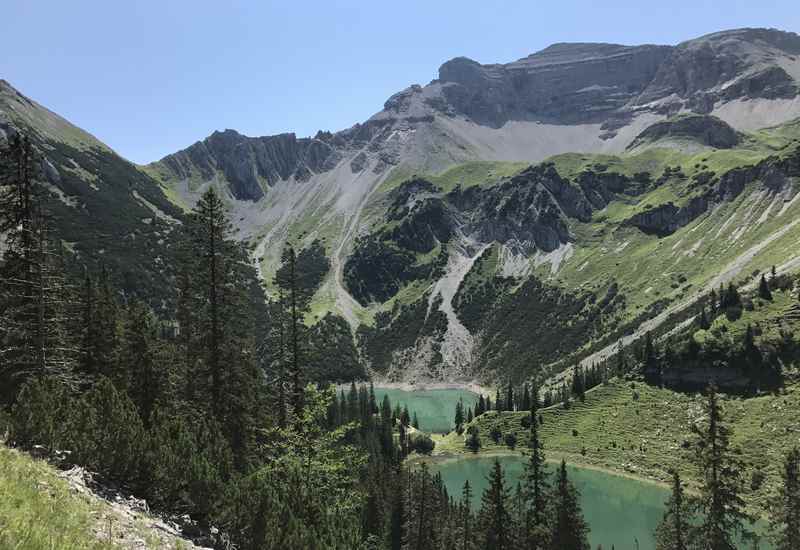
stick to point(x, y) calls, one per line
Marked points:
point(564, 83)
point(704, 130)
point(742, 63)
point(251, 164)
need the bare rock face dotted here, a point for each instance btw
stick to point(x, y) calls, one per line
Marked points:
point(249, 164)
point(705, 130)
point(564, 83)
point(743, 63)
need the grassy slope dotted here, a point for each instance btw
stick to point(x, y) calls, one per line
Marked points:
point(37, 509)
point(641, 430)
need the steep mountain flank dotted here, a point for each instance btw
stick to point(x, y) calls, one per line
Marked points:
point(104, 209)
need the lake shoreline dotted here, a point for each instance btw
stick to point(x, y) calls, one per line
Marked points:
point(552, 457)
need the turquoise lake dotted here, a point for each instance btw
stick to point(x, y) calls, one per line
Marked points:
point(435, 408)
point(619, 510)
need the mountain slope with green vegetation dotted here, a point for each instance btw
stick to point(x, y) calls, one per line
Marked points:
point(106, 212)
point(556, 237)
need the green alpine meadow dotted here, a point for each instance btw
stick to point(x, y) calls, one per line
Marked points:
point(550, 303)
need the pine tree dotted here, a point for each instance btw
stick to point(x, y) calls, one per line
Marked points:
point(459, 416)
point(703, 319)
point(466, 518)
point(88, 363)
point(494, 519)
point(650, 363)
point(36, 314)
point(105, 346)
point(415, 421)
point(720, 502)
point(419, 532)
point(469, 415)
point(673, 530)
point(480, 407)
point(579, 383)
point(141, 360)
point(568, 528)
point(295, 307)
point(526, 398)
point(535, 488)
point(763, 289)
point(509, 404)
point(223, 314)
point(386, 410)
point(373, 403)
point(405, 417)
point(621, 366)
point(786, 521)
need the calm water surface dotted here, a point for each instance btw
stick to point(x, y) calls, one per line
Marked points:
point(435, 409)
point(619, 510)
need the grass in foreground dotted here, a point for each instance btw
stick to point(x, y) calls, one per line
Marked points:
point(37, 509)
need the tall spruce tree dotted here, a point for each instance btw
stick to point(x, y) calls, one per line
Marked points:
point(419, 528)
point(526, 398)
point(673, 530)
point(223, 314)
point(568, 528)
point(141, 360)
point(786, 520)
point(763, 289)
point(105, 344)
point(459, 416)
point(720, 502)
point(535, 488)
point(36, 302)
point(495, 520)
point(294, 304)
point(466, 519)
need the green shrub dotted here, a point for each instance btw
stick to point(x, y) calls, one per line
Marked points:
point(38, 416)
point(277, 508)
point(421, 444)
point(106, 432)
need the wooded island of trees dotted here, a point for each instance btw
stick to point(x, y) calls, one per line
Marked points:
point(209, 411)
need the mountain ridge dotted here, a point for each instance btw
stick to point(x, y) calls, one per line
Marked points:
point(466, 138)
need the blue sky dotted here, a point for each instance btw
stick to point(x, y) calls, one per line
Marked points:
point(151, 77)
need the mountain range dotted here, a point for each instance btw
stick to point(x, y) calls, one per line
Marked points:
point(501, 219)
